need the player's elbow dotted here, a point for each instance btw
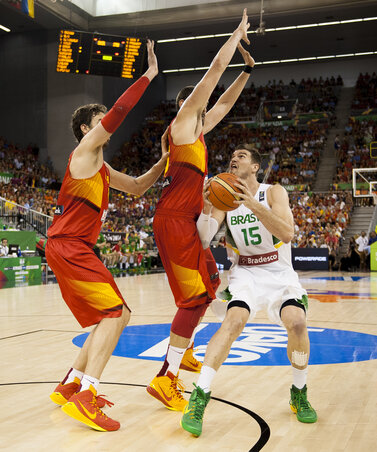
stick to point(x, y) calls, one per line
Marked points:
point(287, 236)
point(139, 188)
point(219, 64)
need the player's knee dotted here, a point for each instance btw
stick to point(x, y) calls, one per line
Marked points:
point(234, 327)
point(296, 325)
point(186, 320)
point(293, 316)
point(236, 318)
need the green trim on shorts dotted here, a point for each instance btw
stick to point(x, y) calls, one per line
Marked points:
point(225, 295)
point(303, 301)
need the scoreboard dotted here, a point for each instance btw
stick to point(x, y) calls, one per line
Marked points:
point(98, 54)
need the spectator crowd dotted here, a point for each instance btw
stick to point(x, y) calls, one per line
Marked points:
point(353, 151)
point(293, 150)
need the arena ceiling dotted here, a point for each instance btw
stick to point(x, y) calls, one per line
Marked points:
point(163, 19)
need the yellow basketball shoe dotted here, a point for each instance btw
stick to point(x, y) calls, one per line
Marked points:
point(83, 407)
point(168, 390)
point(189, 362)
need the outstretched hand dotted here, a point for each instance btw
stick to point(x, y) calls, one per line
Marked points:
point(248, 59)
point(244, 26)
point(152, 59)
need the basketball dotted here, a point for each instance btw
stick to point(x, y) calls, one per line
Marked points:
point(222, 192)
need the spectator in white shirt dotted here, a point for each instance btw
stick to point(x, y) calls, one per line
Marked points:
point(362, 243)
point(4, 249)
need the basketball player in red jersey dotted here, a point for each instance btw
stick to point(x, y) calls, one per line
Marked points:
point(191, 270)
point(86, 285)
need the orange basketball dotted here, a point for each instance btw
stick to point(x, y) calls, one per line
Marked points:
point(222, 192)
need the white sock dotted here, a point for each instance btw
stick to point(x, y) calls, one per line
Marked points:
point(193, 337)
point(87, 380)
point(174, 357)
point(299, 377)
point(205, 378)
point(72, 374)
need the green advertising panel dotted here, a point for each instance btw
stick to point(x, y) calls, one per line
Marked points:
point(20, 271)
point(6, 177)
point(26, 240)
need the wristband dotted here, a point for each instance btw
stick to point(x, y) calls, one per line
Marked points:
point(247, 69)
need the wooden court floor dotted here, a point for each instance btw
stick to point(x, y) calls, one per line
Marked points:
point(250, 408)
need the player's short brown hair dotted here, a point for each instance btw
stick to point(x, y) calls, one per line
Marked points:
point(254, 153)
point(184, 94)
point(84, 115)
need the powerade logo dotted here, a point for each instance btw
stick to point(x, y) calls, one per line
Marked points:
point(311, 258)
point(258, 345)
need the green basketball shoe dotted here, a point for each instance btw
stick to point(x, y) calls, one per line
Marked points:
point(301, 406)
point(192, 419)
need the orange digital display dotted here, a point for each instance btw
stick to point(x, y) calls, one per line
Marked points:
point(92, 53)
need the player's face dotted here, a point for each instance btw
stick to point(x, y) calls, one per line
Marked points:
point(241, 164)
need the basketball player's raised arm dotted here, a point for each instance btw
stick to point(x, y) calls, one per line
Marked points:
point(229, 98)
point(99, 134)
point(185, 125)
point(209, 220)
point(139, 185)
point(278, 220)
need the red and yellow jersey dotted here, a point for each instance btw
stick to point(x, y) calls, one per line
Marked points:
point(185, 172)
point(82, 206)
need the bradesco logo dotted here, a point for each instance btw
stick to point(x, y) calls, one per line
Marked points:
point(258, 345)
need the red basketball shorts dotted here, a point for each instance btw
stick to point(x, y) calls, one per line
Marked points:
point(86, 285)
point(191, 270)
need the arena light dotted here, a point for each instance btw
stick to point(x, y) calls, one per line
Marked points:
point(290, 60)
point(324, 24)
point(364, 53)
point(307, 26)
point(269, 30)
point(350, 21)
point(4, 28)
point(344, 55)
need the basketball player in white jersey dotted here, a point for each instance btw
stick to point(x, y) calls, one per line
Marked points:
point(259, 232)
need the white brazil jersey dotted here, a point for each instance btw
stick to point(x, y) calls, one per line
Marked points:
point(261, 275)
point(247, 237)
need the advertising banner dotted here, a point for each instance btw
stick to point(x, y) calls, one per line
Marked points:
point(20, 271)
point(310, 258)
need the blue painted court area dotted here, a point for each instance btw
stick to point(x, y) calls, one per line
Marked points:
point(341, 293)
point(340, 278)
point(258, 345)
